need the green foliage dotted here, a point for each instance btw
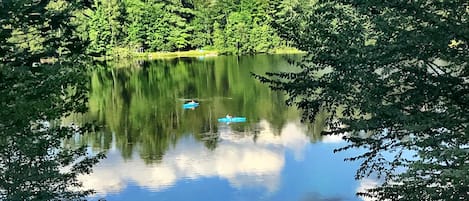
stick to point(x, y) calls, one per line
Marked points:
point(218, 37)
point(35, 166)
point(263, 39)
point(232, 27)
point(398, 72)
point(35, 95)
point(32, 30)
point(201, 24)
point(104, 26)
point(244, 28)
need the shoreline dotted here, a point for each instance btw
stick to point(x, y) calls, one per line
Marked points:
point(178, 54)
point(190, 53)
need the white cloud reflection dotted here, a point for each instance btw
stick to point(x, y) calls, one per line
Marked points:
point(367, 184)
point(238, 159)
point(332, 139)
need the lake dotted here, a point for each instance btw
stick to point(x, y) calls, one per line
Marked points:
point(158, 150)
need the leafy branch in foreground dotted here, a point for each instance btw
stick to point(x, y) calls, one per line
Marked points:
point(42, 79)
point(394, 75)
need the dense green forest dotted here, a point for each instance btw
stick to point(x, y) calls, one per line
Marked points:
point(231, 27)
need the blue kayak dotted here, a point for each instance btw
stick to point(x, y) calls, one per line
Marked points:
point(190, 105)
point(232, 119)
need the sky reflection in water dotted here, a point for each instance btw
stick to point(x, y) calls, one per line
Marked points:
point(273, 167)
point(157, 151)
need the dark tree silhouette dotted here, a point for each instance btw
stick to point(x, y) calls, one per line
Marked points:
point(42, 80)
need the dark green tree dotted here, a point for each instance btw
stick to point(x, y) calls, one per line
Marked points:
point(32, 30)
point(181, 13)
point(286, 15)
point(105, 25)
point(40, 83)
point(237, 32)
point(218, 37)
point(158, 25)
point(262, 38)
point(136, 17)
point(202, 25)
point(394, 77)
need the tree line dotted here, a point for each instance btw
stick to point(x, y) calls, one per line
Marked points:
point(230, 27)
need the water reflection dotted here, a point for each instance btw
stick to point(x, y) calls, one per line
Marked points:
point(157, 148)
point(366, 184)
point(142, 105)
point(238, 159)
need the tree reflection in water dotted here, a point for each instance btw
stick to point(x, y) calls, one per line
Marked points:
point(142, 107)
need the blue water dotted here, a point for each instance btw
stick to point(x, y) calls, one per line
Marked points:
point(286, 167)
point(158, 150)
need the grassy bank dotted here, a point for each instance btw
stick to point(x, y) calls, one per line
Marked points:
point(287, 50)
point(117, 53)
point(126, 53)
point(163, 55)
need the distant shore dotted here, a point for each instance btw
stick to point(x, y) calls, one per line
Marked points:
point(120, 53)
point(168, 55)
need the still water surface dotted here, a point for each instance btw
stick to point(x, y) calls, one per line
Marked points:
point(156, 150)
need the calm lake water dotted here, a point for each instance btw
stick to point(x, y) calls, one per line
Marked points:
point(156, 150)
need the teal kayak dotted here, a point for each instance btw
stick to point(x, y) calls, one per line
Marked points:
point(232, 119)
point(190, 105)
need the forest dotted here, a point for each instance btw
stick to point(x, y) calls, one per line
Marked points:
point(227, 26)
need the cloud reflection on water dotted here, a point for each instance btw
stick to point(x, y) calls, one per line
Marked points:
point(365, 184)
point(240, 160)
